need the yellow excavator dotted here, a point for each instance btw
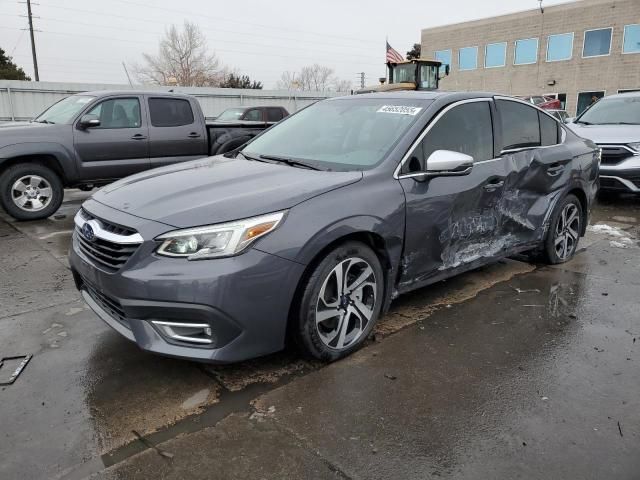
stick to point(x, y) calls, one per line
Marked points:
point(416, 74)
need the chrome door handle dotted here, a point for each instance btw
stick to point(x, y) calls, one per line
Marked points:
point(555, 170)
point(494, 186)
point(193, 135)
point(138, 136)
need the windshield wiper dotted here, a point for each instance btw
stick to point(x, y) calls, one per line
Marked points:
point(45, 121)
point(289, 161)
point(619, 123)
point(583, 122)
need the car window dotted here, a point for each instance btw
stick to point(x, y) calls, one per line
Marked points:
point(253, 115)
point(65, 110)
point(274, 115)
point(549, 130)
point(118, 113)
point(519, 123)
point(613, 111)
point(465, 128)
point(231, 114)
point(170, 112)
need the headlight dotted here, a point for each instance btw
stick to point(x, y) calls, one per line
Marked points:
point(634, 146)
point(222, 240)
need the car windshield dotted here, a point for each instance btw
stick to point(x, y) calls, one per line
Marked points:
point(343, 134)
point(613, 111)
point(65, 110)
point(231, 114)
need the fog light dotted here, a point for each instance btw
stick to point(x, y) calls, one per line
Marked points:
point(199, 333)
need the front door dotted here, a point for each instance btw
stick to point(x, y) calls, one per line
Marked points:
point(452, 221)
point(119, 146)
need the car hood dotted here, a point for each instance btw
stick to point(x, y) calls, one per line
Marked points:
point(607, 134)
point(218, 189)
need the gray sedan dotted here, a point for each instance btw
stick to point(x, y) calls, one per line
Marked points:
point(309, 231)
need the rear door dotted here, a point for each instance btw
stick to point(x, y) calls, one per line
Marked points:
point(538, 167)
point(119, 146)
point(452, 221)
point(253, 115)
point(176, 134)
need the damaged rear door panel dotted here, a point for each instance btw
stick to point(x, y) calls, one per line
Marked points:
point(539, 167)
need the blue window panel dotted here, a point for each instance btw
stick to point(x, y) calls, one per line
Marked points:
point(526, 51)
point(560, 47)
point(597, 42)
point(631, 39)
point(495, 55)
point(468, 58)
point(444, 56)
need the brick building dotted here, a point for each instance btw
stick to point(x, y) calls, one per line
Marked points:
point(572, 51)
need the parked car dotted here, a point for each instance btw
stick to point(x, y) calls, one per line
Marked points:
point(254, 114)
point(319, 222)
point(561, 115)
point(94, 138)
point(613, 123)
point(546, 102)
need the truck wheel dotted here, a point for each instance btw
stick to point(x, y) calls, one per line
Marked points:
point(563, 235)
point(30, 191)
point(340, 302)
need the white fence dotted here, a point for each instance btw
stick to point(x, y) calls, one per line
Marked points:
point(20, 100)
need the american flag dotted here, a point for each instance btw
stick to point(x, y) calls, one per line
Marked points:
point(393, 56)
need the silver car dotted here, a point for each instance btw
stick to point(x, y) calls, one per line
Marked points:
point(614, 124)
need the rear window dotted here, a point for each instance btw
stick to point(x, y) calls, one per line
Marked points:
point(548, 130)
point(520, 125)
point(170, 112)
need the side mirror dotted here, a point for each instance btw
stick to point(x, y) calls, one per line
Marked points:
point(445, 163)
point(88, 121)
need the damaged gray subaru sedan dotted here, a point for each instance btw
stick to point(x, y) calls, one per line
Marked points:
point(310, 230)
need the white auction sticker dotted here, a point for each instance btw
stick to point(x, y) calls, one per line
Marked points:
point(400, 109)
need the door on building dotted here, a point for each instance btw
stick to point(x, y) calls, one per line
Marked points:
point(586, 99)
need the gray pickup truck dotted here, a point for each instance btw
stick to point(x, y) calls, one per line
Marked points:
point(93, 138)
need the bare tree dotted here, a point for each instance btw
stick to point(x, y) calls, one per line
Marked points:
point(183, 59)
point(313, 78)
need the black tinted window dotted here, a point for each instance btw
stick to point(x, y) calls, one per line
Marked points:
point(118, 113)
point(465, 129)
point(254, 115)
point(548, 130)
point(274, 115)
point(170, 112)
point(520, 125)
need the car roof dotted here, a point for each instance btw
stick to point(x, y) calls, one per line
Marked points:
point(108, 93)
point(419, 95)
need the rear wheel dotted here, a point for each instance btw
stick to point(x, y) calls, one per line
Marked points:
point(565, 227)
point(340, 303)
point(30, 191)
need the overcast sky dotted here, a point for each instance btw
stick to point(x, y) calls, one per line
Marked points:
point(87, 41)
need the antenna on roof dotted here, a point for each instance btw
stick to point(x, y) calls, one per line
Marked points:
point(541, 7)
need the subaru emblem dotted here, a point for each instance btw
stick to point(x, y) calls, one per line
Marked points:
point(88, 233)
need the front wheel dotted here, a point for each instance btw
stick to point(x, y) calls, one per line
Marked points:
point(30, 191)
point(340, 302)
point(565, 227)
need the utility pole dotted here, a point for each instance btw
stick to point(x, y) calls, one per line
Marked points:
point(362, 79)
point(33, 42)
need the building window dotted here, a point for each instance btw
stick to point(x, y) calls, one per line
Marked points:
point(526, 51)
point(444, 57)
point(631, 42)
point(597, 43)
point(468, 58)
point(586, 99)
point(559, 47)
point(495, 55)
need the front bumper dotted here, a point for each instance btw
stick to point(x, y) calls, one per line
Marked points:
point(244, 300)
point(620, 169)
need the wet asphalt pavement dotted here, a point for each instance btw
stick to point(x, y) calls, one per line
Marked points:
point(511, 371)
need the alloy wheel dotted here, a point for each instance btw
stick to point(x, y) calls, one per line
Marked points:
point(346, 303)
point(567, 231)
point(31, 193)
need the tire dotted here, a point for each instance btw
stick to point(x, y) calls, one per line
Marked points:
point(356, 312)
point(563, 235)
point(36, 187)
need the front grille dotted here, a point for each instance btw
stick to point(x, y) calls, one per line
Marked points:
point(108, 254)
point(612, 155)
point(108, 304)
point(108, 226)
